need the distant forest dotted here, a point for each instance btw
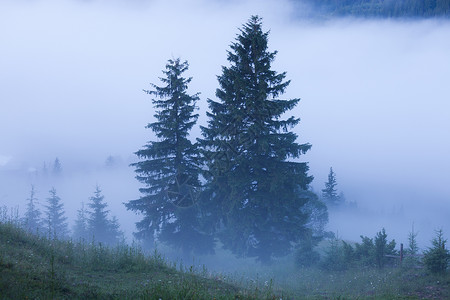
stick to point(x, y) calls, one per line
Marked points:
point(380, 8)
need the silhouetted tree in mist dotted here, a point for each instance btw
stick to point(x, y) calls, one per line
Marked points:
point(57, 169)
point(55, 221)
point(100, 227)
point(44, 170)
point(32, 219)
point(247, 149)
point(80, 228)
point(170, 170)
point(329, 193)
point(113, 161)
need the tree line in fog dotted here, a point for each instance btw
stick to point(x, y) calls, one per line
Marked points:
point(380, 8)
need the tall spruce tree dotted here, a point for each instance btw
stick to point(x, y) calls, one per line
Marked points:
point(32, 219)
point(56, 221)
point(254, 186)
point(169, 168)
point(100, 227)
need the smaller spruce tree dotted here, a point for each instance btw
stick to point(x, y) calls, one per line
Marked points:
point(100, 227)
point(32, 219)
point(80, 229)
point(339, 256)
point(372, 252)
point(437, 258)
point(329, 193)
point(57, 169)
point(56, 222)
point(412, 250)
point(383, 248)
point(44, 170)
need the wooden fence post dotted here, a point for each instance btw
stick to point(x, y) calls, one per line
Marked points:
point(401, 253)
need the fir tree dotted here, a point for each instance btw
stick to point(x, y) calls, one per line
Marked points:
point(437, 258)
point(169, 168)
point(329, 193)
point(56, 224)
point(57, 169)
point(111, 161)
point(32, 219)
point(100, 227)
point(252, 184)
point(383, 248)
point(372, 252)
point(412, 250)
point(80, 229)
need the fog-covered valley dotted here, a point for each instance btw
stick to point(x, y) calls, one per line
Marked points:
point(374, 102)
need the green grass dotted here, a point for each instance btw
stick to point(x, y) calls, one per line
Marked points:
point(284, 278)
point(366, 284)
point(33, 267)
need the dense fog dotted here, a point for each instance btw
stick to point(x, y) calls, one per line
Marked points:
point(374, 101)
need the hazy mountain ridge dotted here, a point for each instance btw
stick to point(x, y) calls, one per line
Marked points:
point(378, 8)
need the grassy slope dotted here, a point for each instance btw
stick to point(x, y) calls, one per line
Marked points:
point(32, 267)
point(36, 268)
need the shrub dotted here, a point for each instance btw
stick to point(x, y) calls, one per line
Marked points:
point(372, 252)
point(339, 257)
point(383, 248)
point(365, 251)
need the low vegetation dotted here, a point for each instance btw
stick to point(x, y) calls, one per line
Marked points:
point(33, 267)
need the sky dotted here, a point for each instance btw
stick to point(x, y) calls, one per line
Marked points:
point(374, 97)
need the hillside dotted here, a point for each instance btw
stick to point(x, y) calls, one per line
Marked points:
point(37, 268)
point(33, 267)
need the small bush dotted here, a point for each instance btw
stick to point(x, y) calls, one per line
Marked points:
point(383, 248)
point(339, 256)
point(372, 252)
